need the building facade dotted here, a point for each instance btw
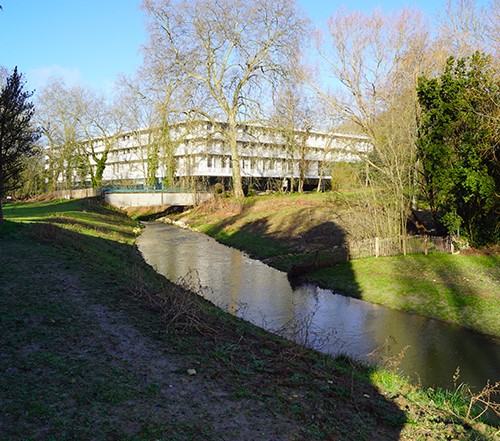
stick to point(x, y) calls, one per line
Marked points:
point(197, 152)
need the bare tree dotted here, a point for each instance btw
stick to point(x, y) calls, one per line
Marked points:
point(466, 26)
point(139, 117)
point(150, 119)
point(233, 54)
point(162, 96)
point(58, 113)
point(293, 119)
point(375, 61)
point(102, 124)
point(80, 128)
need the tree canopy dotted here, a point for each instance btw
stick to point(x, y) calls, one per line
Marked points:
point(233, 54)
point(458, 147)
point(18, 137)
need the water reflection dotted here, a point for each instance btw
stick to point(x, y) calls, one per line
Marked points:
point(329, 322)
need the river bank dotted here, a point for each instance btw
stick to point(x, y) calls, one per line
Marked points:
point(288, 230)
point(317, 318)
point(97, 345)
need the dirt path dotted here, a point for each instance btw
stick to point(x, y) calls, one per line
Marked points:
point(183, 395)
point(94, 349)
point(84, 356)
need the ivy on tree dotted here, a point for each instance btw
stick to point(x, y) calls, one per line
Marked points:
point(18, 137)
point(458, 147)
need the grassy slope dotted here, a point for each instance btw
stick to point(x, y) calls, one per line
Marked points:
point(95, 345)
point(463, 289)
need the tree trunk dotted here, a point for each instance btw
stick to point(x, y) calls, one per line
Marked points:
point(169, 147)
point(235, 158)
point(152, 167)
point(1, 206)
point(97, 178)
point(320, 181)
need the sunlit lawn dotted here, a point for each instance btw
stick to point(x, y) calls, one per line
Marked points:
point(75, 215)
point(464, 289)
point(60, 259)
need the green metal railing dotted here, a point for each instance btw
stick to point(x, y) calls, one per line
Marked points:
point(139, 188)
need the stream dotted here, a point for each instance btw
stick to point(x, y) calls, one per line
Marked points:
point(319, 318)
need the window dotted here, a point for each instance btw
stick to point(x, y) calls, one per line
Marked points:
point(209, 162)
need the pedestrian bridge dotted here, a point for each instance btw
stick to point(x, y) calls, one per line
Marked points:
point(122, 199)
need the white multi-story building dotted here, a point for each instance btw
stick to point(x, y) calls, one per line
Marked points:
point(199, 151)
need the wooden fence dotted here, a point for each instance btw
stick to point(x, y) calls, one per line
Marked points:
point(75, 194)
point(379, 247)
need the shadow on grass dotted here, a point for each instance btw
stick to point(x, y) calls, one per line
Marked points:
point(8, 228)
point(453, 288)
point(41, 209)
point(85, 214)
point(330, 399)
point(286, 235)
point(91, 223)
point(255, 237)
point(334, 399)
point(251, 238)
point(471, 300)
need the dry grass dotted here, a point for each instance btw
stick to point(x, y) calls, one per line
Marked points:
point(485, 399)
point(180, 310)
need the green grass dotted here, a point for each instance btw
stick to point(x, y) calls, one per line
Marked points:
point(254, 245)
point(86, 216)
point(78, 305)
point(283, 229)
point(463, 289)
point(56, 375)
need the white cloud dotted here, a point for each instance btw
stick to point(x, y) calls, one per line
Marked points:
point(38, 77)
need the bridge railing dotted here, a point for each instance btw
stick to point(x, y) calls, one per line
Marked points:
point(139, 188)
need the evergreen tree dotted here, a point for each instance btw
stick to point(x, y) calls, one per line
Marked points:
point(458, 147)
point(17, 134)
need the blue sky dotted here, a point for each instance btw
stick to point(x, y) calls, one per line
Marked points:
point(92, 41)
